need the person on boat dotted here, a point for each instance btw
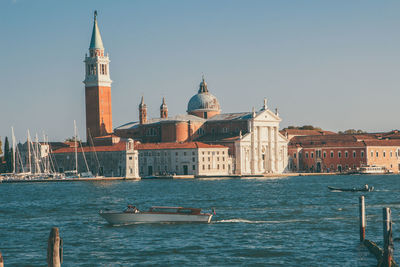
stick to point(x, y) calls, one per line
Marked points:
point(131, 209)
point(366, 186)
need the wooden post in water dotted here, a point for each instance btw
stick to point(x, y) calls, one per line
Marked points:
point(1, 260)
point(54, 248)
point(387, 238)
point(363, 221)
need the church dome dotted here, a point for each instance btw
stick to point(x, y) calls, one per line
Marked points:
point(203, 100)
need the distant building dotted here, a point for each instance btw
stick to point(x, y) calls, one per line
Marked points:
point(344, 152)
point(190, 158)
point(253, 138)
point(116, 160)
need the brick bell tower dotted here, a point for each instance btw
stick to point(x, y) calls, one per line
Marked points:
point(97, 87)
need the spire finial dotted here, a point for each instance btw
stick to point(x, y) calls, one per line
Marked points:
point(95, 15)
point(265, 107)
point(202, 76)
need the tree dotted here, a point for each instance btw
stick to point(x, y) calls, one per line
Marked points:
point(304, 127)
point(7, 155)
point(351, 131)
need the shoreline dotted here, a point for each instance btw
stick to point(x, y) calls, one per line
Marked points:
point(171, 177)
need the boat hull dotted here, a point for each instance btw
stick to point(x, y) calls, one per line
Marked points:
point(144, 217)
point(370, 189)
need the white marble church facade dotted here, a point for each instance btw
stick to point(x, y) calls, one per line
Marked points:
point(263, 149)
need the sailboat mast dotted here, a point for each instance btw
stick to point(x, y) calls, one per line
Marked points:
point(76, 148)
point(13, 148)
point(37, 154)
point(29, 152)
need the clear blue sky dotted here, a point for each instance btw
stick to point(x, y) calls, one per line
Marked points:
point(333, 64)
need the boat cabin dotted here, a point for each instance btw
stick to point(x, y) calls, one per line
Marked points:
point(179, 210)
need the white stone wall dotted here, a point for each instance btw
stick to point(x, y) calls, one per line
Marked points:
point(184, 161)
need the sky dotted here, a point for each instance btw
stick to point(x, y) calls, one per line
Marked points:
point(331, 64)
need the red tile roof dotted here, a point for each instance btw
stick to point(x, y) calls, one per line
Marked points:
point(149, 146)
point(121, 146)
point(392, 142)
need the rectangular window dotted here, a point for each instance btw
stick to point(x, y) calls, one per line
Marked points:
point(218, 166)
point(339, 154)
point(184, 153)
point(324, 154)
point(332, 154)
point(130, 158)
point(362, 154)
point(209, 166)
point(217, 158)
point(372, 154)
point(294, 155)
point(209, 159)
point(391, 155)
point(377, 154)
point(204, 167)
point(306, 155)
point(354, 154)
point(223, 166)
point(193, 159)
point(312, 155)
point(384, 154)
point(194, 167)
point(346, 154)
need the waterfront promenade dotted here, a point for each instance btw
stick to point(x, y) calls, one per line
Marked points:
point(39, 180)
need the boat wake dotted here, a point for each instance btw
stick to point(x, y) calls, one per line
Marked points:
point(249, 221)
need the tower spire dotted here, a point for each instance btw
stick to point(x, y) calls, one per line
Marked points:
point(142, 112)
point(96, 42)
point(163, 109)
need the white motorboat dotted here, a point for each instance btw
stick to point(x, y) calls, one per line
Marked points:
point(373, 170)
point(156, 215)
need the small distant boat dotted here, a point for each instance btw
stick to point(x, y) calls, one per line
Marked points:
point(373, 170)
point(156, 215)
point(363, 189)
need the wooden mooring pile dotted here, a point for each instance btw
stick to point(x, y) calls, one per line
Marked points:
point(54, 249)
point(384, 256)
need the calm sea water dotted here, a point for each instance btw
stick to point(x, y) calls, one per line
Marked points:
point(292, 221)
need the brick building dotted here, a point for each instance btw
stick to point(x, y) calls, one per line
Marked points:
point(344, 152)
